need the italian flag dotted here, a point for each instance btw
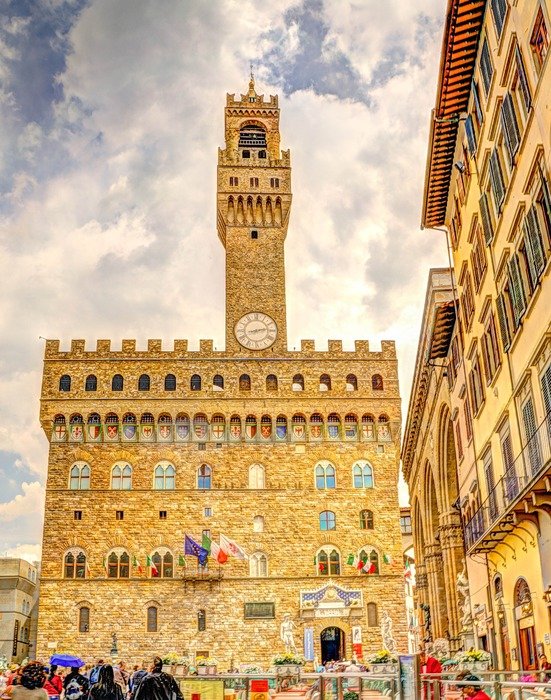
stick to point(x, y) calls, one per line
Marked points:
point(151, 563)
point(353, 560)
point(136, 563)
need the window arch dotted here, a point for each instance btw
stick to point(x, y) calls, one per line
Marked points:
point(362, 473)
point(144, 382)
point(244, 382)
point(218, 382)
point(65, 382)
point(121, 477)
point(165, 475)
point(327, 520)
point(170, 382)
point(91, 383)
point(152, 618)
point(366, 520)
point(258, 523)
point(325, 382)
point(84, 619)
point(351, 382)
point(325, 475)
point(298, 382)
point(257, 476)
point(328, 561)
point(74, 564)
point(271, 382)
point(498, 586)
point(258, 565)
point(118, 564)
point(522, 592)
point(204, 477)
point(129, 418)
point(195, 383)
point(377, 382)
point(79, 476)
point(370, 557)
point(162, 564)
point(372, 615)
point(117, 383)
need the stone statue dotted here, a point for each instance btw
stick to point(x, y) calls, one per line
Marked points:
point(386, 632)
point(462, 586)
point(286, 634)
point(425, 607)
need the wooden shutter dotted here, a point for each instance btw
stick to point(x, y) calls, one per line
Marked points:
point(517, 289)
point(471, 136)
point(486, 218)
point(523, 80)
point(546, 198)
point(476, 101)
point(546, 389)
point(84, 619)
point(486, 67)
point(490, 483)
point(503, 323)
point(534, 246)
point(486, 359)
point(152, 619)
point(532, 439)
point(509, 124)
point(496, 180)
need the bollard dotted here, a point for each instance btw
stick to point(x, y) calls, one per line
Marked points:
point(196, 696)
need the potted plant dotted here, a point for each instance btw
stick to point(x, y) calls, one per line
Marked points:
point(202, 664)
point(212, 666)
point(383, 661)
point(182, 665)
point(171, 659)
point(474, 660)
point(350, 695)
point(287, 664)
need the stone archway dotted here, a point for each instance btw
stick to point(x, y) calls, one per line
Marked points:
point(332, 644)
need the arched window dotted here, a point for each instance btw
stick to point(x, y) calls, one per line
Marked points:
point(121, 477)
point(204, 477)
point(75, 564)
point(84, 619)
point(195, 383)
point(170, 382)
point(117, 383)
point(522, 592)
point(91, 383)
point(79, 477)
point(258, 523)
point(118, 564)
point(152, 617)
point(325, 475)
point(372, 615)
point(498, 586)
point(377, 382)
point(298, 382)
point(328, 561)
point(257, 476)
point(370, 559)
point(271, 382)
point(327, 520)
point(144, 382)
point(162, 564)
point(164, 476)
point(363, 475)
point(366, 520)
point(244, 382)
point(76, 419)
point(258, 565)
point(218, 382)
point(325, 382)
point(93, 419)
point(146, 418)
point(129, 419)
point(65, 383)
point(351, 382)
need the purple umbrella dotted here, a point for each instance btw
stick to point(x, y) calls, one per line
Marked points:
point(66, 660)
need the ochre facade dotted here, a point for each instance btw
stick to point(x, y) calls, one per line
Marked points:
point(291, 454)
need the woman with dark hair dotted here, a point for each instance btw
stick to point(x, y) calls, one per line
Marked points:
point(106, 688)
point(158, 685)
point(53, 685)
point(31, 683)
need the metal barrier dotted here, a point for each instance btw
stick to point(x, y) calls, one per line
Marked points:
point(499, 685)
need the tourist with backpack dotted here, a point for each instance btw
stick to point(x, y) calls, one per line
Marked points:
point(94, 672)
point(106, 688)
point(75, 685)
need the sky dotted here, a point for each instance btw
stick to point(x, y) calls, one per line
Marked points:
point(111, 114)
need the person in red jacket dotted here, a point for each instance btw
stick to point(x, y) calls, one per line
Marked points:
point(474, 690)
point(54, 684)
point(429, 665)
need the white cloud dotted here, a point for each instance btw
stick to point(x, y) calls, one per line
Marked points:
point(30, 552)
point(28, 503)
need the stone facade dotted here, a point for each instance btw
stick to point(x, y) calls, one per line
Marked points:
point(244, 450)
point(18, 608)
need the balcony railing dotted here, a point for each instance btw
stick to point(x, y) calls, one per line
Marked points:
point(528, 467)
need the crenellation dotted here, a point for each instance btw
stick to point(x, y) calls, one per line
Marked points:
point(155, 346)
point(103, 347)
point(77, 347)
point(205, 347)
point(180, 347)
point(128, 346)
point(334, 347)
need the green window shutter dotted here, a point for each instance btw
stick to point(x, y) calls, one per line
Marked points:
point(546, 389)
point(471, 136)
point(503, 323)
point(523, 80)
point(509, 124)
point(546, 200)
point(476, 102)
point(534, 246)
point(486, 66)
point(517, 289)
point(496, 180)
point(486, 218)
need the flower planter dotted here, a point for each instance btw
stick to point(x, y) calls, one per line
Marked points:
point(389, 668)
point(211, 670)
point(287, 670)
point(202, 670)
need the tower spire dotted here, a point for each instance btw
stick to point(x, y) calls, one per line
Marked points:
point(252, 91)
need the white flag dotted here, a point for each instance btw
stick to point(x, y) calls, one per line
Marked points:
point(231, 547)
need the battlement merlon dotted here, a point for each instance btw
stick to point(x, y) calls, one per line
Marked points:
point(206, 350)
point(244, 101)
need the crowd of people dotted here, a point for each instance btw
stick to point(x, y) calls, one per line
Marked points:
point(102, 681)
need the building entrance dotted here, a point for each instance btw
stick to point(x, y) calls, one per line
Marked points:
point(332, 644)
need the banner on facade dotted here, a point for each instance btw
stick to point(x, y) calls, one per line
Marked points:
point(309, 643)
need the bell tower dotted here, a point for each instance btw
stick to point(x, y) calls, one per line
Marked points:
point(253, 207)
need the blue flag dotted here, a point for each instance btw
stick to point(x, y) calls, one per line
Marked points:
point(191, 547)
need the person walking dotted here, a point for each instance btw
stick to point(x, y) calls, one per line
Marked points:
point(31, 683)
point(53, 685)
point(158, 685)
point(106, 688)
point(75, 685)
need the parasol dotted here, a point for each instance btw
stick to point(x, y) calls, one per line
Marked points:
point(66, 660)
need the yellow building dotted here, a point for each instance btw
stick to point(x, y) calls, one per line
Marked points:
point(488, 182)
point(293, 455)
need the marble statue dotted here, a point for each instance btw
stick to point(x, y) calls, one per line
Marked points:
point(462, 586)
point(286, 634)
point(386, 632)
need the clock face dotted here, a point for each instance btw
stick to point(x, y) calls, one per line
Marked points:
point(256, 331)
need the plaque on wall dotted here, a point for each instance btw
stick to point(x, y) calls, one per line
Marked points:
point(259, 611)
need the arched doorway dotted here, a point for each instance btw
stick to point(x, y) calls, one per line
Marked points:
point(332, 644)
point(524, 615)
